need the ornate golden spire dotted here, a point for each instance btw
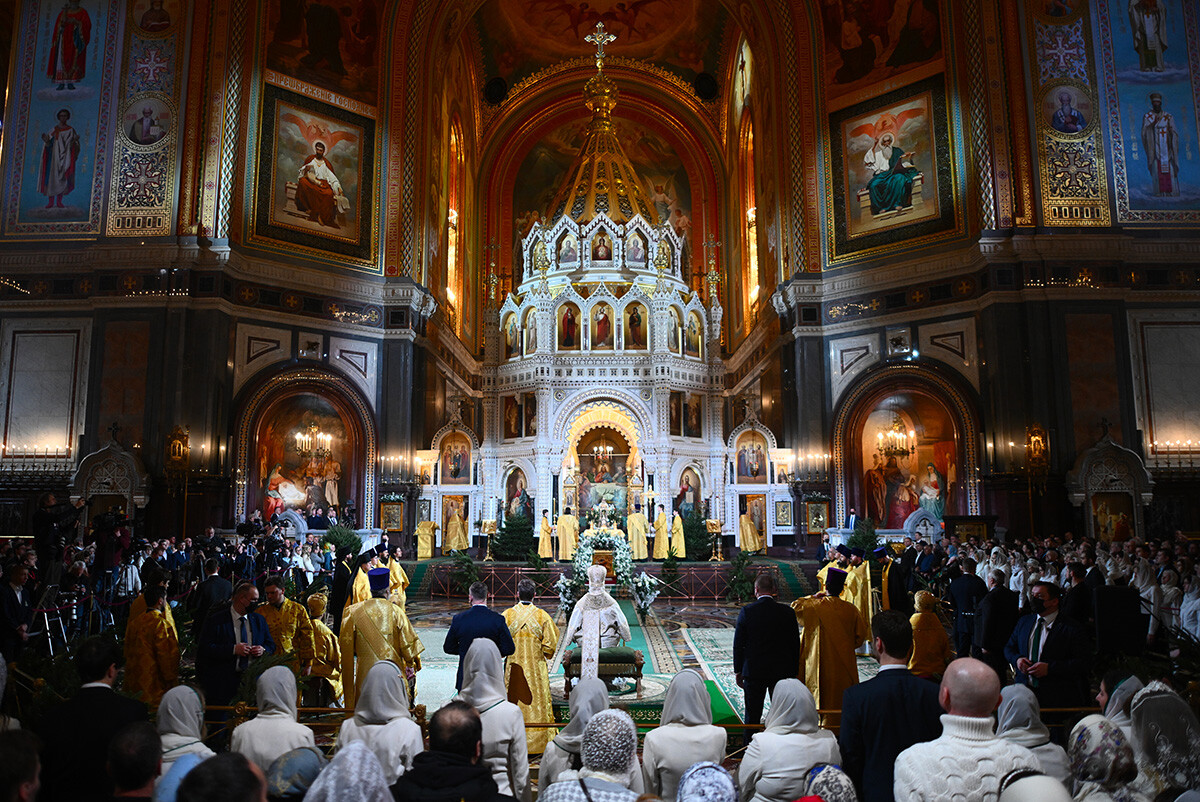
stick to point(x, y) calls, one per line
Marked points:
point(602, 178)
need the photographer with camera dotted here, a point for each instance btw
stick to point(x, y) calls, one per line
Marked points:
point(53, 525)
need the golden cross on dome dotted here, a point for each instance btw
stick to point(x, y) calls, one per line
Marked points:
point(600, 38)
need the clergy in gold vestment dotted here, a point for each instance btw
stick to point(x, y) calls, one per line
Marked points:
point(456, 534)
point(374, 630)
point(842, 561)
point(138, 606)
point(568, 535)
point(289, 624)
point(832, 629)
point(545, 538)
point(526, 674)
point(858, 591)
point(678, 543)
point(327, 659)
point(749, 532)
point(397, 582)
point(151, 650)
point(662, 535)
point(360, 587)
point(636, 524)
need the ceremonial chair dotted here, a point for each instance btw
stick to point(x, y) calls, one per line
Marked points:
point(615, 661)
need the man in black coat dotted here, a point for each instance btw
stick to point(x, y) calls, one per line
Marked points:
point(1049, 651)
point(886, 715)
point(477, 622)
point(893, 581)
point(451, 769)
point(908, 561)
point(965, 592)
point(995, 618)
point(1077, 601)
point(213, 592)
point(343, 576)
point(233, 635)
point(76, 733)
point(16, 611)
point(766, 646)
point(1094, 578)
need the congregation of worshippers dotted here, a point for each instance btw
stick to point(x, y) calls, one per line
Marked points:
point(971, 670)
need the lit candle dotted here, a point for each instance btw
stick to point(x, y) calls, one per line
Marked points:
point(1010, 458)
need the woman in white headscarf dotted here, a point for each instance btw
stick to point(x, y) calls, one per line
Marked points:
point(685, 735)
point(381, 721)
point(1172, 597)
point(1146, 582)
point(608, 748)
point(504, 744)
point(181, 725)
point(1166, 740)
point(1102, 763)
point(1020, 721)
point(1189, 607)
point(1117, 689)
point(706, 781)
point(563, 756)
point(777, 762)
point(999, 562)
point(275, 729)
point(354, 775)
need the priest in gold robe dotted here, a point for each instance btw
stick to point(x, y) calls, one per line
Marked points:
point(840, 558)
point(860, 589)
point(326, 664)
point(637, 526)
point(456, 533)
point(831, 630)
point(568, 535)
point(526, 674)
point(678, 542)
point(662, 536)
point(751, 541)
point(376, 630)
point(289, 624)
point(360, 586)
point(545, 538)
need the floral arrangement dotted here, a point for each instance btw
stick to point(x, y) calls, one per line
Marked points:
point(391, 497)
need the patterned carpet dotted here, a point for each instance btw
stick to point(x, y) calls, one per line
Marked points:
point(676, 636)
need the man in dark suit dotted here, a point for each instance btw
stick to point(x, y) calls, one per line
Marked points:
point(766, 646)
point(1077, 601)
point(908, 561)
point(851, 520)
point(477, 622)
point(886, 715)
point(966, 590)
point(1095, 576)
point(894, 581)
point(213, 592)
point(1049, 651)
point(76, 733)
point(232, 636)
point(16, 611)
point(995, 618)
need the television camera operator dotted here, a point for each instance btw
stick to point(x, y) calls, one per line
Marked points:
point(53, 525)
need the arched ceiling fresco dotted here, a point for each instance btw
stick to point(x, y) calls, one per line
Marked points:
point(519, 37)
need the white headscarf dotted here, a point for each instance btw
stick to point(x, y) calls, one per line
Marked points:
point(687, 701)
point(354, 775)
point(1166, 736)
point(588, 698)
point(793, 709)
point(1020, 718)
point(277, 693)
point(483, 676)
point(181, 712)
point(1119, 700)
point(384, 695)
point(706, 782)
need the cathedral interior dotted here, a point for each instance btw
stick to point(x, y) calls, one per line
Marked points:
point(931, 263)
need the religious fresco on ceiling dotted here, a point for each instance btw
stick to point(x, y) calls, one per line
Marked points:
point(315, 175)
point(330, 45)
point(62, 140)
point(891, 176)
point(520, 37)
point(544, 169)
point(907, 460)
point(872, 46)
point(155, 16)
point(285, 478)
point(1151, 55)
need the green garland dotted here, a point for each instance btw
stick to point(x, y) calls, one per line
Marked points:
point(605, 541)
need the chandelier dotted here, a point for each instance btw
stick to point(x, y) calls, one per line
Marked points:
point(602, 450)
point(895, 441)
point(312, 443)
